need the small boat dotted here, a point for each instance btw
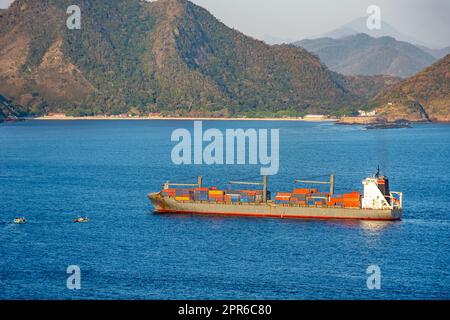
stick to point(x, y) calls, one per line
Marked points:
point(81, 220)
point(19, 221)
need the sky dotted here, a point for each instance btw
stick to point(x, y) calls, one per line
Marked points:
point(292, 20)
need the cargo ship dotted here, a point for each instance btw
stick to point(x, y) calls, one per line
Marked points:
point(376, 202)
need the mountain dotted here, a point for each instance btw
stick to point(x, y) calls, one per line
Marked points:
point(359, 25)
point(7, 110)
point(272, 40)
point(437, 53)
point(168, 56)
point(365, 55)
point(421, 97)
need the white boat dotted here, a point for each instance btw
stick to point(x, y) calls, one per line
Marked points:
point(19, 221)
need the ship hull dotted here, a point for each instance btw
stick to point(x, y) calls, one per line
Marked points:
point(270, 210)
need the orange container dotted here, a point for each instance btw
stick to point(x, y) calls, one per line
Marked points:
point(352, 204)
point(215, 197)
point(300, 191)
point(182, 198)
point(216, 193)
point(352, 196)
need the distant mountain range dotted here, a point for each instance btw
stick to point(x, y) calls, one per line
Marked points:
point(359, 25)
point(437, 53)
point(425, 96)
point(167, 56)
point(366, 55)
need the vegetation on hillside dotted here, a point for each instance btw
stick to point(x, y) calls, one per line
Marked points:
point(171, 57)
point(425, 95)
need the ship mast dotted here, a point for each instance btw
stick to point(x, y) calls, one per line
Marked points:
point(331, 183)
point(263, 184)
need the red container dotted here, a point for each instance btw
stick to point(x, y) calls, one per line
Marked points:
point(169, 192)
point(249, 192)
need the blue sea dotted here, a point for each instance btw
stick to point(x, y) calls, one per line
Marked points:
point(52, 172)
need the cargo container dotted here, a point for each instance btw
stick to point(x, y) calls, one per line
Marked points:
point(170, 192)
point(201, 195)
point(178, 198)
point(251, 199)
point(301, 191)
point(304, 191)
point(216, 193)
point(301, 197)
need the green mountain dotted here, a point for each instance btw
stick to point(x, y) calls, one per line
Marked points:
point(365, 55)
point(421, 97)
point(168, 56)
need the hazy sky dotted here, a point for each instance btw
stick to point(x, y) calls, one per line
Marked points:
point(426, 20)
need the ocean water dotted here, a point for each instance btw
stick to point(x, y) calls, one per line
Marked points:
point(54, 171)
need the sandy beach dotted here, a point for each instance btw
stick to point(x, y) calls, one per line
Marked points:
point(61, 118)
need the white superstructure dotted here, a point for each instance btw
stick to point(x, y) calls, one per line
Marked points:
point(377, 194)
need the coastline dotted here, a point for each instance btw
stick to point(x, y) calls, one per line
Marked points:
point(178, 119)
point(361, 121)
